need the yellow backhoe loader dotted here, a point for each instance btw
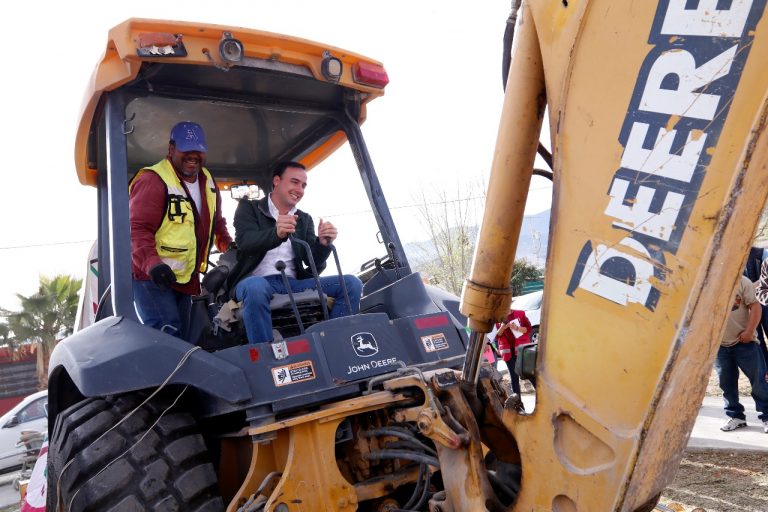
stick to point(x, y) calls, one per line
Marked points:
point(657, 114)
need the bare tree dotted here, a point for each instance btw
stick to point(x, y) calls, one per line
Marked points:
point(451, 221)
point(761, 235)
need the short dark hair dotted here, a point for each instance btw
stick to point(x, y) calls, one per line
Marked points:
point(282, 166)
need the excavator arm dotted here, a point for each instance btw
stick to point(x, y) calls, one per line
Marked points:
point(657, 114)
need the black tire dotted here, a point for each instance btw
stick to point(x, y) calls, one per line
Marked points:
point(535, 334)
point(168, 470)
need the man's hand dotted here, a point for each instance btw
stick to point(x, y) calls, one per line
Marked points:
point(162, 275)
point(326, 232)
point(285, 225)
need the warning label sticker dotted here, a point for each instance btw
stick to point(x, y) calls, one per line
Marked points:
point(293, 373)
point(434, 342)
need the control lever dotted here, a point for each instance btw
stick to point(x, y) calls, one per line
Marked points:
point(323, 302)
point(341, 276)
point(280, 267)
point(391, 251)
point(381, 269)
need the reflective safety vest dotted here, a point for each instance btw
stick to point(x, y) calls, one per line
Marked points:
point(505, 348)
point(175, 240)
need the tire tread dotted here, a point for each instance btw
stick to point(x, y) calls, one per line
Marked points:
point(167, 470)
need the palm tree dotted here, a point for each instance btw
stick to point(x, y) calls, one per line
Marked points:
point(46, 317)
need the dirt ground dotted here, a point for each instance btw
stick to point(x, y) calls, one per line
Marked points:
point(718, 480)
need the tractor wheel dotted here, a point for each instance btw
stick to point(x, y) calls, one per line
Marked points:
point(139, 465)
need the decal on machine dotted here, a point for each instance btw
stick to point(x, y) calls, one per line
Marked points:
point(293, 373)
point(371, 365)
point(434, 342)
point(682, 97)
point(364, 344)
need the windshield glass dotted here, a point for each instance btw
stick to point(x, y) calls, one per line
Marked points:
point(335, 193)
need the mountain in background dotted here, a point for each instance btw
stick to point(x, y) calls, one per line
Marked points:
point(532, 246)
point(534, 237)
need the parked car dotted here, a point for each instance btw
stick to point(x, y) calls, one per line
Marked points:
point(29, 414)
point(531, 304)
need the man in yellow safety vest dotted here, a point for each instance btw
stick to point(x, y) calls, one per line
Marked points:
point(175, 213)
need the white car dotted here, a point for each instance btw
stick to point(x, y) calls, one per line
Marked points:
point(29, 414)
point(531, 304)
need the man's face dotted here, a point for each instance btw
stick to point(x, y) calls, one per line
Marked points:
point(288, 189)
point(189, 163)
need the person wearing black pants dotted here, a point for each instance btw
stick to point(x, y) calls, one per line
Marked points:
point(510, 334)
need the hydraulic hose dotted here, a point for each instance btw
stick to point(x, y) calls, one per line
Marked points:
point(509, 36)
point(400, 434)
point(402, 454)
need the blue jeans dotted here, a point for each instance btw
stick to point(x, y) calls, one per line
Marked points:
point(162, 308)
point(748, 358)
point(255, 292)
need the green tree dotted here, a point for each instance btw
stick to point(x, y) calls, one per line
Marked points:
point(522, 272)
point(45, 317)
point(6, 336)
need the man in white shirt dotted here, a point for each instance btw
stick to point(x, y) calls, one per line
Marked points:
point(262, 230)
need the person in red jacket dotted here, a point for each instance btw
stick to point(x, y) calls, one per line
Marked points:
point(175, 215)
point(510, 334)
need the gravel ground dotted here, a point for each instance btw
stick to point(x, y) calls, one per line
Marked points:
point(720, 480)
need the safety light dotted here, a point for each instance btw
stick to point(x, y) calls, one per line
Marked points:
point(367, 73)
point(331, 67)
point(230, 49)
point(160, 44)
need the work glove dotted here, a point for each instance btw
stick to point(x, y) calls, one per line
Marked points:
point(162, 275)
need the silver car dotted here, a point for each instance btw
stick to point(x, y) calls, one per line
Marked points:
point(27, 415)
point(531, 304)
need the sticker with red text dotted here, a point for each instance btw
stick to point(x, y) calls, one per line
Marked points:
point(293, 373)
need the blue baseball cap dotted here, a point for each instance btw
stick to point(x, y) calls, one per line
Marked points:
point(189, 136)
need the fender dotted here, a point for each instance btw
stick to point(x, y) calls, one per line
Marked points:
point(117, 355)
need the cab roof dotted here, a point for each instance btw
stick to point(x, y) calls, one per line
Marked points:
point(281, 100)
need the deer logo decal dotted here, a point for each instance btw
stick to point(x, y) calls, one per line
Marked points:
point(364, 344)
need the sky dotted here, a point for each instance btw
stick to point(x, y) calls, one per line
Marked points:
point(433, 131)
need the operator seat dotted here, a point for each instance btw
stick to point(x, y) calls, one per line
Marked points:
point(283, 317)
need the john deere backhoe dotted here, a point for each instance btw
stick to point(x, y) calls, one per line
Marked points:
point(657, 114)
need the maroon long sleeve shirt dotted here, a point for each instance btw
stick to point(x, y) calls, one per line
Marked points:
point(147, 209)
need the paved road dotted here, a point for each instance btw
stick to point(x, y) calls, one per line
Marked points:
point(706, 435)
point(8, 495)
point(706, 431)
